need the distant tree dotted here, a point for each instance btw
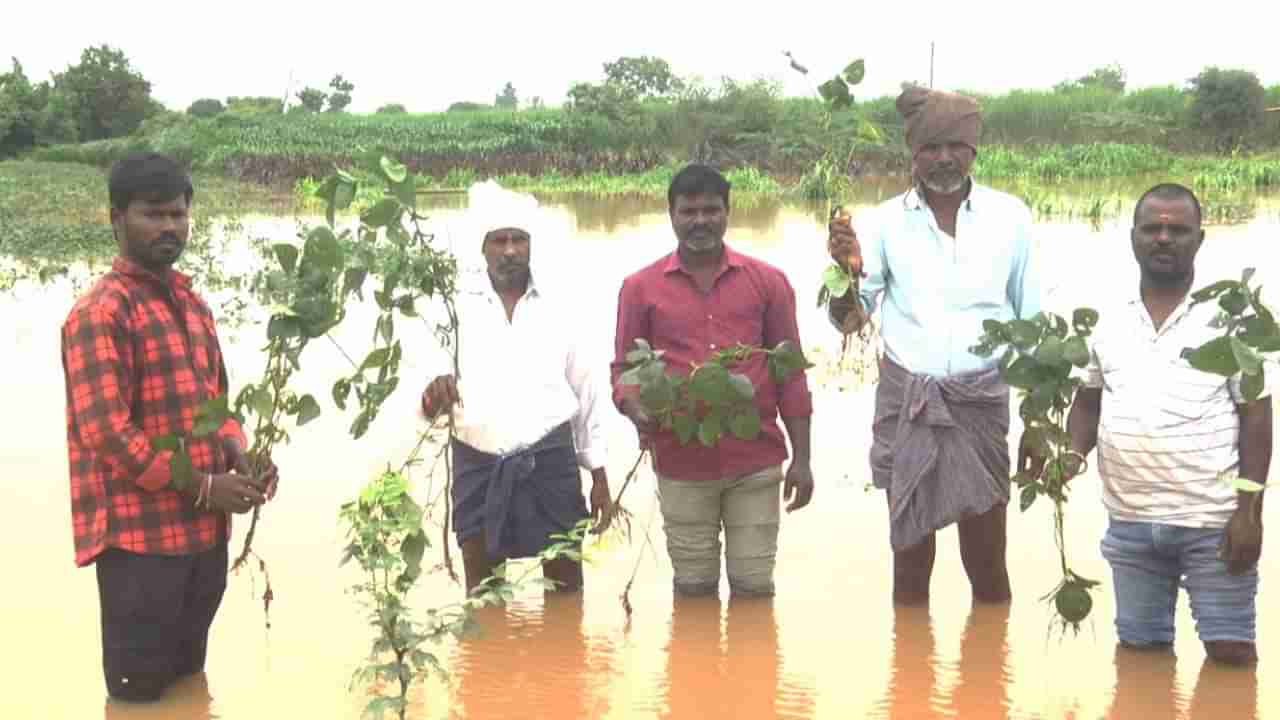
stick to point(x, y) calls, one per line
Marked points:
point(467, 106)
point(391, 109)
point(507, 100)
point(1112, 77)
point(104, 95)
point(1227, 102)
point(20, 109)
point(340, 98)
point(643, 76)
point(535, 103)
point(205, 107)
point(255, 105)
point(312, 99)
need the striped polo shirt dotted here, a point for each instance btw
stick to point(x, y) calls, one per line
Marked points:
point(1167, 430)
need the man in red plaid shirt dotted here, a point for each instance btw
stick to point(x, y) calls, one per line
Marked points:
point(140, 353)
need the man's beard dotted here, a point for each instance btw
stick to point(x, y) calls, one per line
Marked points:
point(944, 183)
point(507, 277)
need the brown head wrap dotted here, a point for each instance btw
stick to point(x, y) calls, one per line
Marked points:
point(934, 116)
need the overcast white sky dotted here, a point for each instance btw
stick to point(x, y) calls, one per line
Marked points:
point(429, 54)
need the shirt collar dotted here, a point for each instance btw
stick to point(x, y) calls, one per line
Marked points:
point(167, 278)
point(1182, 309)
point(730, 259)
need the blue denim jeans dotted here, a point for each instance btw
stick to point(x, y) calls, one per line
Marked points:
point(1149, 562)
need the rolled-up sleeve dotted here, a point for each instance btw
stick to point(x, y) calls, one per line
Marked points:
point(633, 322)
point(588, 421)
point(96, 357)
point(794, 398)
point(1024, 276)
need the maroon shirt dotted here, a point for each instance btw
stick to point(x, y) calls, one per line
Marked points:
point(750, 302)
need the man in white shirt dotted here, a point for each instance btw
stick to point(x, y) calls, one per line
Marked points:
point(527, 407)
point(940, 259)
point(1165, 434)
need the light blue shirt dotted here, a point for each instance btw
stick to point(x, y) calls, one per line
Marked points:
point(934, 290)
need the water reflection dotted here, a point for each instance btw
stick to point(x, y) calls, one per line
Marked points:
point(526, 656)
point(187, 698)
point(981, 690)
point(739, 675)
point(1224, 692)
point(913, 679)
point(1146, 685)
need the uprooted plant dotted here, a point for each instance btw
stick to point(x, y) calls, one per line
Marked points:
point(306, 292)
point(1038, 359)
point(387, 539)
point(708, 403)
point(1249, 331)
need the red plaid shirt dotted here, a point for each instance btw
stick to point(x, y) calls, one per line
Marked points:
point(139, 354)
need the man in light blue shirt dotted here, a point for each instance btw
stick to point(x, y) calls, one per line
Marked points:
point(939, 260)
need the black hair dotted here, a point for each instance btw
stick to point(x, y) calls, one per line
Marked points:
point(147, 175)
point(696, 179)
point(1168, 191)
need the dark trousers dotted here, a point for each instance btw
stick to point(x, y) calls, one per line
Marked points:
point(156, 613)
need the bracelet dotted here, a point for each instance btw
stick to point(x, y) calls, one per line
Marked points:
point(203, 491)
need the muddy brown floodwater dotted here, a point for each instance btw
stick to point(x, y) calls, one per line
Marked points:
point(830, 645)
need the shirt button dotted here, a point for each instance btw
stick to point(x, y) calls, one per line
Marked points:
point(713, 346)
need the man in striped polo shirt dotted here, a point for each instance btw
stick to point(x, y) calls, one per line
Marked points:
point(1165, 432)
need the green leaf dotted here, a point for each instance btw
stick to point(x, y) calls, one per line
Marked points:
point(1251, 384)
point(1248, 360)
point(262, 401)
point(684, 426)
point(413, 548)
point(286, 255)
point(406, 192)
point(181, 470)
point(165, 442)
point(1075, 351)
point(1024, 333)
point(711, 428)
point(1084, 320)
point(1234, 301)
point(1050, 351)
point(658, 396)
point(1022, 373)
point(392, 170)
point(308, 409)
point(642, 344)
point(1028, 496)
point(353, 282)
point(836, 280)
point(341, 389)
point(1215, 356)
point(210, 415)
point(710, 383)
point(635, 357)
point(283, 327)
point(376, 358)
point(383, 213)
point(855, 71)
point(1212, 291)
point(343, 194)
point(742, 385)
point(836, 92)
point(321, 252)
point(745, 425)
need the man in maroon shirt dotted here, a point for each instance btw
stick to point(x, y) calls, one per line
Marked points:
point(139, 355)
point(690, 303)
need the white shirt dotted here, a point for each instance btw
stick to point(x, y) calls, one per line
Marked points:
point(934, 290)
point(521, 379)
point(1167, 430)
